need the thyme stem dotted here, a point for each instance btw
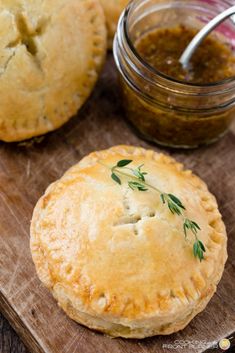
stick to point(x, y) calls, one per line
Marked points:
point(174, 204)
point(134, 178)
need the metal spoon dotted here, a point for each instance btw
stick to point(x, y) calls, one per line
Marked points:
point(196, 41)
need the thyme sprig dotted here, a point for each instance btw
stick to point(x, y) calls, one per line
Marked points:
point(138, 182)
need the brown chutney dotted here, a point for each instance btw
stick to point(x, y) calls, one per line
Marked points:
point(213, 60)
point(176, 107)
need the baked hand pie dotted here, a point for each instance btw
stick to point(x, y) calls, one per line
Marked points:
point(113, 10)
point(50, 55)
point(109, 242)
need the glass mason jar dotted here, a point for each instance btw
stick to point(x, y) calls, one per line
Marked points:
point(164, 110)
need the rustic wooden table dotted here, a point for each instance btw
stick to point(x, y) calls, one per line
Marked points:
point(9, 341)
point(25, 172)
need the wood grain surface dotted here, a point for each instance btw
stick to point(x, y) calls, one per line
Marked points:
point(9, 340)
point(25, 172)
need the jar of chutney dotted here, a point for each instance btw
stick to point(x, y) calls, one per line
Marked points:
point(166, 103)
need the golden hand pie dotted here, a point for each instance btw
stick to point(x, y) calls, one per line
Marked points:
point(112, 10)
point(116, 259)
point(50, 55)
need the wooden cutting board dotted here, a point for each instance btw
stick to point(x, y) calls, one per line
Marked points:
point(25, 173)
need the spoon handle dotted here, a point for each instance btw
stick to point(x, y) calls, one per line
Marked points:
point(196, 41)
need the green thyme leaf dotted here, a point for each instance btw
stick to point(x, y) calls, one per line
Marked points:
point(195, 248)
point(190, 225)
point(176, 201)
point(200, 255)
point(199, 249)
point(163, 198)
point(134, 185)
point(116, 178)
point(174, 204)
point(196, 225)
point(202, 246)
point(186, 226)
point(185, 230)
point(123, 163)
point(173, 207)
point(139, 174)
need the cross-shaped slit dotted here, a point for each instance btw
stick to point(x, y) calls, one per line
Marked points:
point(26, 36)
point(133, 219)
point(125, 220)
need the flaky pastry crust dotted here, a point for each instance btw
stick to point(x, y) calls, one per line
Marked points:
point(51, 52)
point(116, 260)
